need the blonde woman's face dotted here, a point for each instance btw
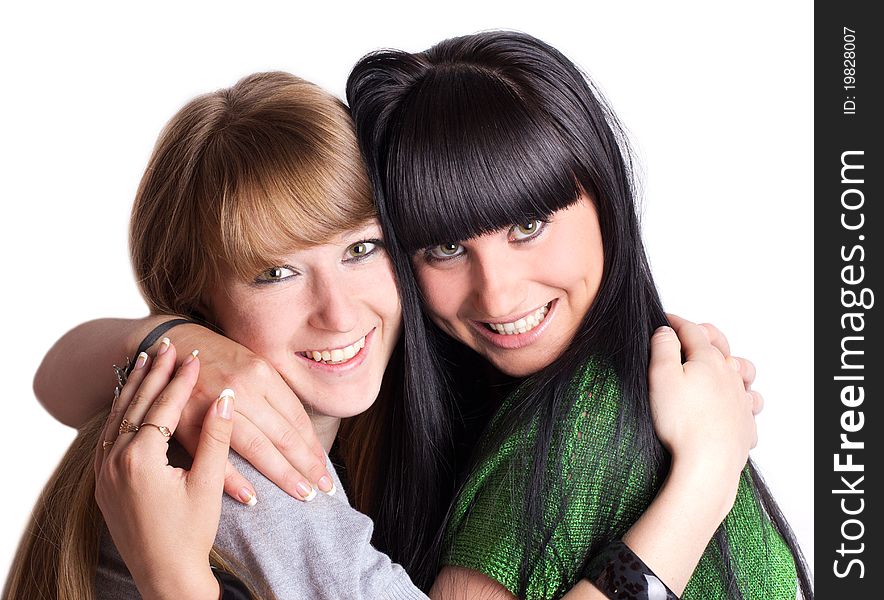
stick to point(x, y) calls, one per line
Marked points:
point(326, 317)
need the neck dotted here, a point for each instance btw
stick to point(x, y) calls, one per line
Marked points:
point(326, 429)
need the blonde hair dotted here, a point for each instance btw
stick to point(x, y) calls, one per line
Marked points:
point(237, 176)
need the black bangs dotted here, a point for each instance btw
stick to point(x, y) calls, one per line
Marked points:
point(469, 156)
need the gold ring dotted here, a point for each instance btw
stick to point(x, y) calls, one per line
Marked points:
point(162, 428)
point(127, 427)
point(107, 444)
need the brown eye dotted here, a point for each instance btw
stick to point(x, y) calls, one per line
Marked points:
point(524, 231)
point(275, 274)
point(447, 250)
point(361, 249)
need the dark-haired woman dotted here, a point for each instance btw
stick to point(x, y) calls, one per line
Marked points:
point(505, 188)
point(554, 479)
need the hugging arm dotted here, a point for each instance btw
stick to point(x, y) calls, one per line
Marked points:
point(670, 536)
point(273, 430)
point(703, 415)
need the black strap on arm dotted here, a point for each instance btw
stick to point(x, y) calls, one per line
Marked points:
point(231, 587)
point(151, 338)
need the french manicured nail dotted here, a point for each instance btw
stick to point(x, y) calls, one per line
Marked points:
point(190, 358)
point(308, 492)
point(139, 362)
point(247, 497)
point(326, 485)
point(164, 345)
point(225, 404)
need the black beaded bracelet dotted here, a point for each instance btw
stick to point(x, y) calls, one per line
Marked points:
point(231, 587)
point(621, 575)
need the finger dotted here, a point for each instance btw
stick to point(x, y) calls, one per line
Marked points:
point(155, 381)
point(665, 361)
point(268, 461)
point(238, 487)
point(163, 415)
point(694, 341)
point(118, 408)
point(251, 443)
point(291, 431)
point(285, 401)
point(206, 476)
point(757, 402)
point(747, 371)
point(717, 338)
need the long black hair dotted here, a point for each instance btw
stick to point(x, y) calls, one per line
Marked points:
point(471, 136)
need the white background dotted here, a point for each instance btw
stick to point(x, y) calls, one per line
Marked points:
point(718, 99)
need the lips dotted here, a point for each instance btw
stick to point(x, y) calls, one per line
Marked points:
point(337, 355)
point(490, 332)
point(337, 361)
point(522, 324)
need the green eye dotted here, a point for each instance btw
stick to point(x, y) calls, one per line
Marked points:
point(447, 250)
point(361, 249)
point(524, 231)
point(275, 274)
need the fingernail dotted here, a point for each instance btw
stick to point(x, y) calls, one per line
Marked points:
point(139, 362)
point(247, 497)
point(308, 492)
point(190, 358)
point(164, 345)
point(225, 404)
point(734, 363)
point(326, 485)
point(665, 329)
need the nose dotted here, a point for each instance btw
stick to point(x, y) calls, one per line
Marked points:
point(332, 306)
point(498, 287)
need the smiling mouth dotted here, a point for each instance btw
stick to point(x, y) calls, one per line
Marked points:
point(336, 356)
point(523, 325)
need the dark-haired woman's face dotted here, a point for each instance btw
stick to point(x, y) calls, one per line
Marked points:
point(517, 295)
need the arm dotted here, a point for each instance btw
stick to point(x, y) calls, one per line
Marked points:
point(709, 441)
point(81, 359)
point(273, 432)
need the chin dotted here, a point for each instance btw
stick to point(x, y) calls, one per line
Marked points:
point(344, 403)
point(522, 366)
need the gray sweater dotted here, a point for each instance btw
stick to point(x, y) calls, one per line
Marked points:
point(321, 549)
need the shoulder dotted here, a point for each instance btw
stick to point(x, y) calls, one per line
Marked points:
point(296, 549)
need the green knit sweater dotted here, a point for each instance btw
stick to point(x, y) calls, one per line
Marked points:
point(482, 533)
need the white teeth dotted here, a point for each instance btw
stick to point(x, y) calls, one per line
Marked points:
point(523, 325)
point(337, 355)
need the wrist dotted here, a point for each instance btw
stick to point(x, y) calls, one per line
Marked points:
point(174, 584)
point(704, 486)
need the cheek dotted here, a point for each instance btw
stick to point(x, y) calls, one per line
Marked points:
point(441, 290)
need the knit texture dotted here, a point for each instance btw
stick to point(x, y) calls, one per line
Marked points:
point(489, 513)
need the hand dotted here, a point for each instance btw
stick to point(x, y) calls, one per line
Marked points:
point(147, 504)
point(747, 369)
point(702, 412)
point(273, 431)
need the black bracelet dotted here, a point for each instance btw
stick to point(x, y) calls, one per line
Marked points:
point(621, 575)
point(231, 587)
point(153, 336)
